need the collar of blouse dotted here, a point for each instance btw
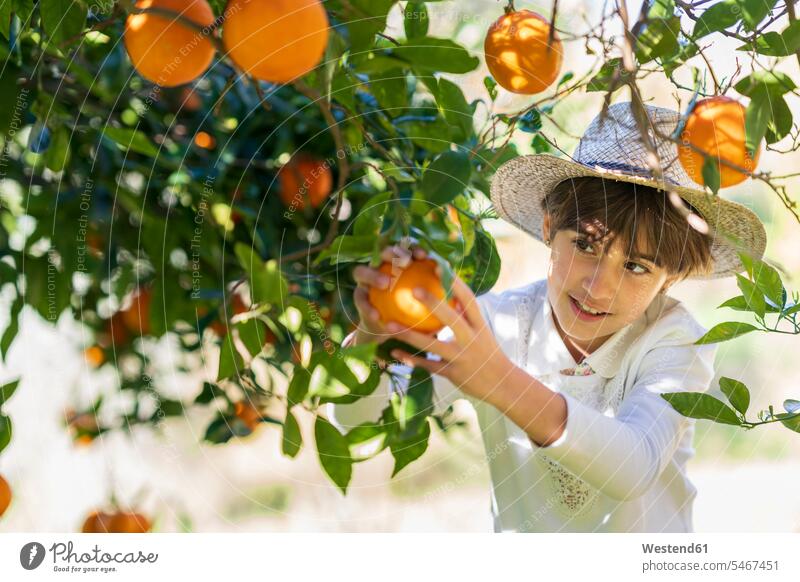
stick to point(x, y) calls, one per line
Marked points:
point(547, 353)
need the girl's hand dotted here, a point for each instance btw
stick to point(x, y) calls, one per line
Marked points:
point(472, 360)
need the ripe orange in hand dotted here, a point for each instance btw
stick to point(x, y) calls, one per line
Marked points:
point(397, 302)
point(305, 179)
point(275, 40)
point(5, 495)
point(519, 55)
point(164, 50)
point(716, 126)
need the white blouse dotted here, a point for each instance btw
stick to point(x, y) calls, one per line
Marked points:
point(620, 465)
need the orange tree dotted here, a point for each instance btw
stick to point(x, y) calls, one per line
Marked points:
point(209, 173)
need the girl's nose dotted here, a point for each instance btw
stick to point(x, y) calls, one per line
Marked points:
point(600, 286)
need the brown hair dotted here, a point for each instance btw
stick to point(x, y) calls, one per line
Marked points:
point(606, 209)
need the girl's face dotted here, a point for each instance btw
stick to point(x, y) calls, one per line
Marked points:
point(595, 289)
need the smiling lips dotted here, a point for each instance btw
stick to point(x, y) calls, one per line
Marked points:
point(586, 312)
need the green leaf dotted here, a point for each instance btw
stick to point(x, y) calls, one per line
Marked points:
point(441, 55)
point(736, 393)
point(5, 431)
point(390, 89)
point(602, 80)
point(7, 390)
point(752, 295)
point(726, 331)
point(298, 385)
point(13, 326)
point(62, 19)
point(348, 249)
point(756, 119)
point(409, 450)
point(702, 406)
point(791, 419)
point(219, 431)
point(711, 174)
point(455, 108)
point(57, 156)
point(718, 17)
point(131, 139)
point(662, 9)
point(446, 177)
point(230, 360)
point(253, 335)
point(350, 372)
point(491, 87)
point(415, 20)
point(481, 268)
point(368, 435)
point(776, 44)
point(659, 39)
point(765, 278)
point(413, 408)
point(754, 11)
point(775, 83)
point(267, 284)
point(208, 393)
point(740, 304)
point(781, 122)
point(292, 438)
point(365, 18)
point(15, 103)
point(334, 453)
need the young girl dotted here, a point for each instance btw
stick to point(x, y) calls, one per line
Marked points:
point(566, 373)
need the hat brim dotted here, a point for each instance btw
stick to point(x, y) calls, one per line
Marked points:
point(519, 185)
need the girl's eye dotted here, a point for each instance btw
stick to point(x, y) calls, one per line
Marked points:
point(633, 266)
point(584, 246)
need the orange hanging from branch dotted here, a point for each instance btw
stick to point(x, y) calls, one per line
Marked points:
point(716, 126)
point(275, 40)
point(518, 52)
point(166, 51)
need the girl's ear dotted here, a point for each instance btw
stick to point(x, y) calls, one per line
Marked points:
point(546, 228)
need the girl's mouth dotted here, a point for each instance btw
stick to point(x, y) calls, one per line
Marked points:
point(584, 312)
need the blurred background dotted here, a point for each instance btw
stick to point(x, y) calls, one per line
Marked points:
point(746, 480)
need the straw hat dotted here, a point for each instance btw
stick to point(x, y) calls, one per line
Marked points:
point(613, 149)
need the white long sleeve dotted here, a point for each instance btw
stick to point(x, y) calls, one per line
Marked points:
point(623, 456)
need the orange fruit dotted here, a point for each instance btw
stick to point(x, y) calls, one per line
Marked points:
point(303, 179)
point(518, 54)
point(205, 140)
point(5, 495)
point(95, 356)
point(128, 522)
point(190, 100)
point(275, 40)
point(164, 50)
point(97, 522)
point(397, 302)
point(247, 413)
point(716, 126)
point(137, 317)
